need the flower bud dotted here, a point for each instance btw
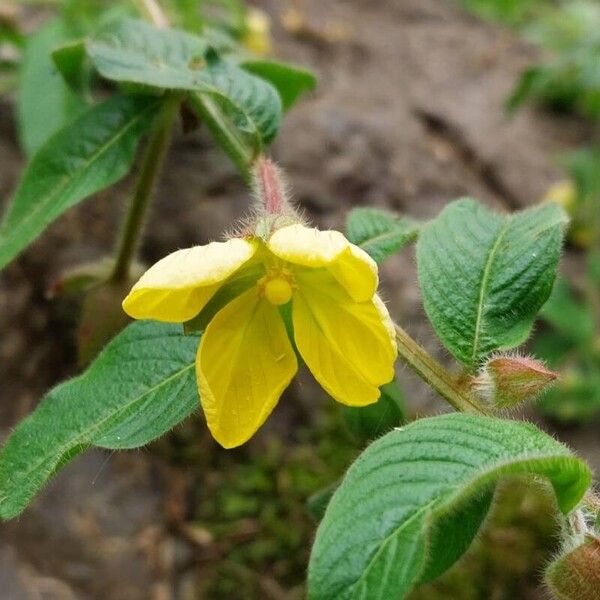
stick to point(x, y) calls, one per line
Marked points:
point(505, 381)
point(575, 575)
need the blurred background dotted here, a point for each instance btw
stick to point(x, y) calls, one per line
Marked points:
point(419, 102)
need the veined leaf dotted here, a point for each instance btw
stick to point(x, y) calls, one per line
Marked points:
point(484, 276)
point(45, 102)
point(136, 52)
point(140, 386)
point(380, 233)
point(89, 154)
point(411, 504)
point(290, 81)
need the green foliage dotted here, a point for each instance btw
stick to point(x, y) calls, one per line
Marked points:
point(136, 52)
point(46, 103)
point(291, 82)
point(242, 110)
point(73, 64)
point(570, 345)
point(380, 233)
point(87, 155)
point(141, 385)
point(569, 80)
point(372, 421)
point(414, 500)
point(516, 541)
point(511, 12)
point(484, 276)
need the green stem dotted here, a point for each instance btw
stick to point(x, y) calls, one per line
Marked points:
point(150, 169)
point(221, 131)
point(436, 376)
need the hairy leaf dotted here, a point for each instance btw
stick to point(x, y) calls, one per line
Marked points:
point(484, 276)
point(140, 386)
point(45, 101)
point(380, 233)
point(136, 52)
point(411, 504)
point(89, 154)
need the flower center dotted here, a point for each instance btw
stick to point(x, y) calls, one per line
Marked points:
point(278, 291)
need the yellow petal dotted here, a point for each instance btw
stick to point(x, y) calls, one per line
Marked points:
point(244, 362)
point(349, 346)
point(177, 287)
point(309, 247)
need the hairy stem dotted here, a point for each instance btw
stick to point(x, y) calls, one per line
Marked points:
point(436, 376)
point(149, 172)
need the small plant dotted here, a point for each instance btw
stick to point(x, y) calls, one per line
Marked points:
point(568, 79)
point(225, 325)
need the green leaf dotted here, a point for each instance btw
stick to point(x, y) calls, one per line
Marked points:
point(140, 386)
point(290, 81)
point(372, 421)
point(411, 504)
point(524, 89)
point(380, 233)
point(137, 52)
point(569, 317)
point(134, 51)
point(45, 102)
point(73, 64)
point(89, 154)
point(484, 276)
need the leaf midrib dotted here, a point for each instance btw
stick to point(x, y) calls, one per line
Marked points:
point(415, 515)
point(484, 286)
point(89, 432)
point(66, 179)
point(458, 493)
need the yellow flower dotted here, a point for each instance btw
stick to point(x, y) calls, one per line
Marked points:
point(246, 359)
point(257, 34)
